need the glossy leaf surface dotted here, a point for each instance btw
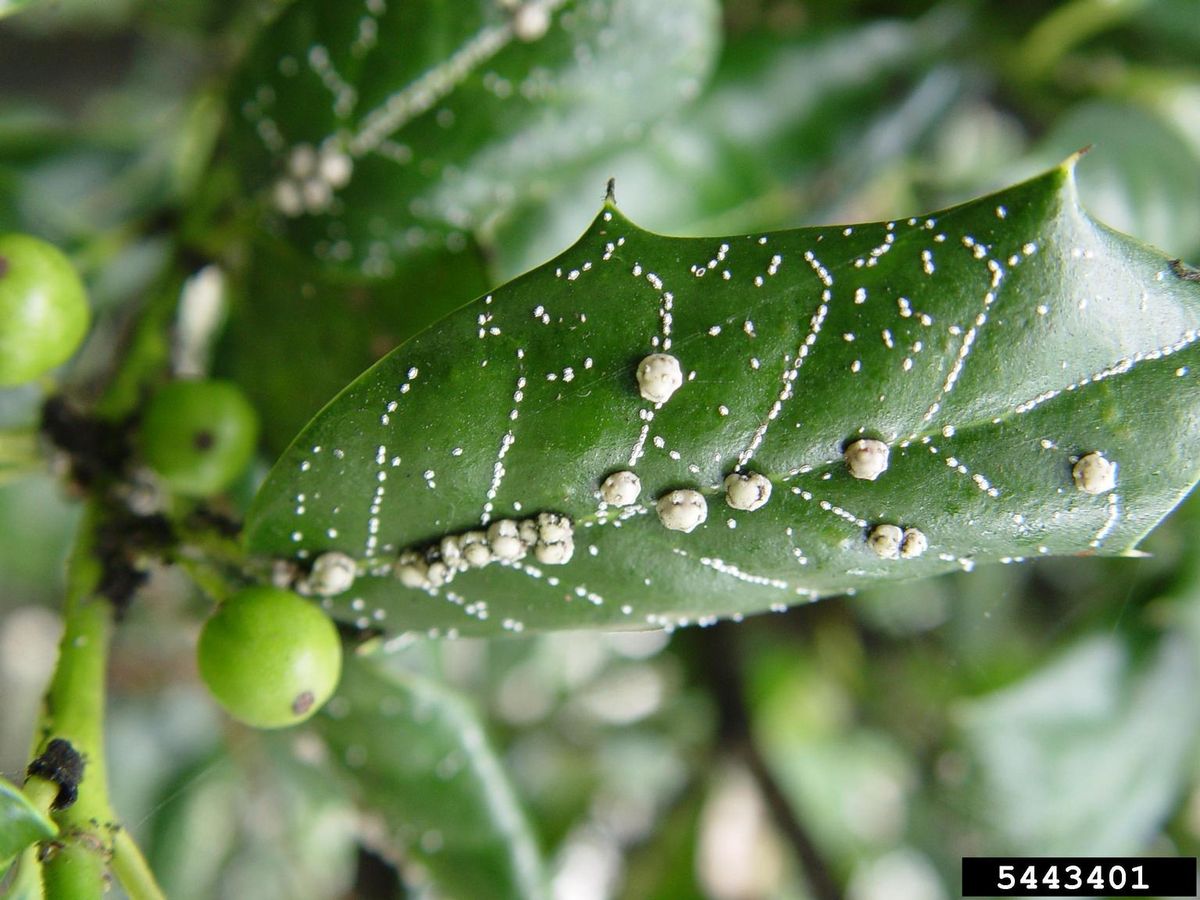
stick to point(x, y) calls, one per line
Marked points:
point(425, 768)
point(374, 130)
point(990, 346)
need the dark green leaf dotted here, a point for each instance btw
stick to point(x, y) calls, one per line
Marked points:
point(286, 311)
point(422, 763)
point(21, 824)
point(390, 127)
point(990, 346)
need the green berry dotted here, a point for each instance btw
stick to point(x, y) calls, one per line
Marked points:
point(43, 308)
point(199, 435)
point(270, 657)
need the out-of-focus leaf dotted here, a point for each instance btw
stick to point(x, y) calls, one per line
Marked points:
point(256, 825)
point(851, 784)
point(297, 336)
point(1168, 23)
point(1087, 756)
point(785, 128)
point(990, 346)
point(1144, 178)
point(382, 130)
point(665, 867)
point(421, 762)
point(21, 824)
point(192, 838)
point(8, 7)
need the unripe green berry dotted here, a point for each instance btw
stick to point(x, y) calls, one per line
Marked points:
point(270, 657)
point(43, 308)
point(199, 435)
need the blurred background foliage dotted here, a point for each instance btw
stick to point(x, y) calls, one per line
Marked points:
point(859, 745)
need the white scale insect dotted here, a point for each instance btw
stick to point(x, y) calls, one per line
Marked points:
point(890, 542)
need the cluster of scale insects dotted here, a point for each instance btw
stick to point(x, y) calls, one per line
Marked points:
point(549, 536)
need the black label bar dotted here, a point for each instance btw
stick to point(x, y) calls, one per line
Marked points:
point(1078, 876)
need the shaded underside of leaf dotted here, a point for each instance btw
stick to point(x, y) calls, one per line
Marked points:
point(990, 346)
point(437, 117)
point(426, 769)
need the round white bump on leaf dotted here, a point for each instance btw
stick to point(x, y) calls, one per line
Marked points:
point(659, 376)
point(555, 539)
point(556, 554)
point(914, 543)
point(450, 548)
point(303, 161)
point(553, 528)
point(411, 569)
point(317, 194)
point(621, 489)
point(885, 540)
point(682, 510)
point(475, 550)
point(1094, 474)
point(438, 573)
point(287, 197)
point(531, 20)
point(527, 531)
point(748, 492)
point(867, 458)
point(283, 573)
point(335, 167)
point(332, 573)
point(505, 540)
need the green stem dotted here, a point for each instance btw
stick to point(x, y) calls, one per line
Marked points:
point(41, 793)
point(132, 870)
point(74, 712)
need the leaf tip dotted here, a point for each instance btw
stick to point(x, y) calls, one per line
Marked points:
point(1183, 271)
point(1067, 166)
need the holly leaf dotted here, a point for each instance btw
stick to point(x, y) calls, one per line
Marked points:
point(376, 130)
point(423, 765)
point(21, 823)
point(285, 309)
point(1030, 372)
